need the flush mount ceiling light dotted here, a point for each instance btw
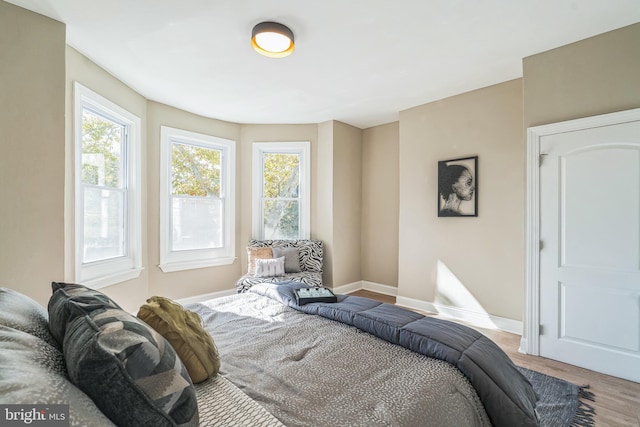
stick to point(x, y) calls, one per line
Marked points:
point(272, 39)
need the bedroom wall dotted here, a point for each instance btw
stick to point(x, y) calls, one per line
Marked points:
point(186, 283)
point(380, 175)
point(132, 293)
point(594, 76)
point(347, 203)
point(32, 76)
point(322, 219)
point(472, 263)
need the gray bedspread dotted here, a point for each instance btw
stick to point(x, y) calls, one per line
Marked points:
point(311, 371)
point(507, 395)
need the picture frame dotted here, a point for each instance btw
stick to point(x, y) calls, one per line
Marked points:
point(458, 187)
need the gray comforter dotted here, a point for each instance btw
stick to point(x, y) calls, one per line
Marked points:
point(507, 395)
point(311, 371)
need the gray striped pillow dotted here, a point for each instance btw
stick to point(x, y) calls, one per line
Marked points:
point(270, 267)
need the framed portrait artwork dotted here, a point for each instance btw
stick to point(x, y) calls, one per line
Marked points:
point(458, 187)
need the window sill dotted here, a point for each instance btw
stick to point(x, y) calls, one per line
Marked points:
point(113, 279)
point(169, 267)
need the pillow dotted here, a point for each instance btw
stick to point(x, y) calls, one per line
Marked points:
point(186, 334)
point(270, 267)
point(33, 372)
point(129, 370)
point(291, 258)
point(63, 294)
point(20, 312)
point(255, 253)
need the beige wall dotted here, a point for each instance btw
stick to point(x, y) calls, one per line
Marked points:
point(347, 203)
point(380, 174)
point(181, 284)
point(471, 263)
point(322, 220)
point(32, 76)
point(593, 76)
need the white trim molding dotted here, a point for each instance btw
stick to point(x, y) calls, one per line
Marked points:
point(206, 297)
point(367, 286)
point(474, 318)
point(348, 288)
point(380, 288)
point(186, 259)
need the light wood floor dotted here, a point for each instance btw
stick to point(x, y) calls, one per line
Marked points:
point(617, 402)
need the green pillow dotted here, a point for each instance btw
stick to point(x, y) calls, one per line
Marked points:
point(184, 330)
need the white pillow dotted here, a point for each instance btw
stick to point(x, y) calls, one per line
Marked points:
point(270, 267)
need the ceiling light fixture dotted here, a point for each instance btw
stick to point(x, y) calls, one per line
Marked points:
point(272, 39)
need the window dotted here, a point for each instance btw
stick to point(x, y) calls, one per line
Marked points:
point(281, 184)
point(107, 199)
point(197, 200)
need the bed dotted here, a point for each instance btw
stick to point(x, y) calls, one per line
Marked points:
point(359, 362)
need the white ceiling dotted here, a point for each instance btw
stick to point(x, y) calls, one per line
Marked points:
point(356, 61)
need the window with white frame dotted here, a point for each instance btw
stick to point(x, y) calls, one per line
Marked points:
point(281, 190)
point(107, 197)
point(197, 200)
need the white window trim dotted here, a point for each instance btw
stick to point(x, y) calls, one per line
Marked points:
point(198, 258)
point(303, 148)
point(103, 273)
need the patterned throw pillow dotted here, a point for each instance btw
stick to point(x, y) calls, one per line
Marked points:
point(186, 334)
point(291, 258)
point(255, 253)
point(129, 370)
point(59, 305)
point(270, 267)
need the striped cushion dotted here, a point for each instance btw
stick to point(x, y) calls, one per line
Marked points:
point(270, 267)
point(310, 250)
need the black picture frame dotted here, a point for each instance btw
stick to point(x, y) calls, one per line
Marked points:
point(458, 187)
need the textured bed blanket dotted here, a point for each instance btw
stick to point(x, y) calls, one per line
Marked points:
point(507, 395)
point(311, 371)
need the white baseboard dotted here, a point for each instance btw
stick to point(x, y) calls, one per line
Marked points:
point(367, 286)
point(481, 320)
point(205, 297)
point(379, 288)
point(348, 288)
point(523, 346)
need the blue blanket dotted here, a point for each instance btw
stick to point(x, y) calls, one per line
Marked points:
point(506, 394)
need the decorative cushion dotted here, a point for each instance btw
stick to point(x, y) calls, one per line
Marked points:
point(186, 334)
point(311, 251)
point(129, 370)
point(256, 253)
point(33, 371)
point(270, 267)
point(291, 258)
point(59, 308)
point(308, 278)
point(20, 312)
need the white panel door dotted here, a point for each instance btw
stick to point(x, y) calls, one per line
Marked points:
point(590, 248)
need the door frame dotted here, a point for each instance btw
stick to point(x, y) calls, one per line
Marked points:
point(530, 343)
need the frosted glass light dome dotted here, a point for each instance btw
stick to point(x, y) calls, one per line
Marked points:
point(272, 39)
